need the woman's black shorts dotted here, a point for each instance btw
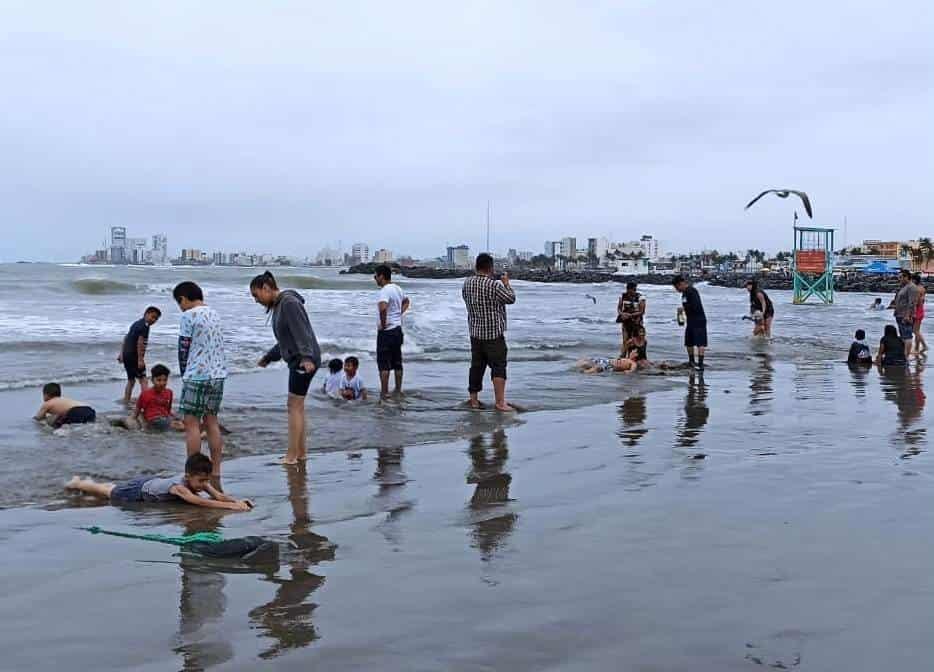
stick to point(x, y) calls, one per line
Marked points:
point(299, 381)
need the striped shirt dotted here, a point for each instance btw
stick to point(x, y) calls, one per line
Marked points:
point(486, 300)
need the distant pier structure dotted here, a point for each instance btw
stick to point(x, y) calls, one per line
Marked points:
point(813, 264)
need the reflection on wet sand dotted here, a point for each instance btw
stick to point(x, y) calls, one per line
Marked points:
point(632, 415)
point(286, 618)
point(696, 413)
point(859, 379)
point(202, 604)
point(488, 461)
point(760, 387)
point(902, 386)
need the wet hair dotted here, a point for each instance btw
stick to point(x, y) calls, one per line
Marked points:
point(153, 309)
point(188, 290)
point(905, 273)
point(890, 330)
point(264, 279)
point(335, 365)
point(384, 271)
point(353, 361)
point(52, 390)
point(484, 262)
point(916, 278)
point(752, 284)
point(677, 280)
point(860, 334)
point(631, 285)
point(199, 464)
point(159, 370)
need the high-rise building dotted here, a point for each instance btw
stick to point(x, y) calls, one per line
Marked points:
point(360, 252)
point(136, 249)
point(118, 252)
point(597, 248)
point(569, 247)
point(649, 247)
point(550, 248)
point(458, 257)
point(382, 256)
point(160, 249)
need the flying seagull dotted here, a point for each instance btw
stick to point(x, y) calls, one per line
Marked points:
point(592, 298)
point(785, 193)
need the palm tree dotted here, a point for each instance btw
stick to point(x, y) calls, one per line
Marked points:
point(926, 248)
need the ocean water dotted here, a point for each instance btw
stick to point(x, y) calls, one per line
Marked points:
point(66, 323)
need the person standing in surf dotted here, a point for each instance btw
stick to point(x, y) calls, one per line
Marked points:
point(202, 360)
point(630, 313)
point(695, 331)
point(920, 344)
point(486, 299)
point(133, 351)
point(297, 346)
point(761, 309)
point(392, 304)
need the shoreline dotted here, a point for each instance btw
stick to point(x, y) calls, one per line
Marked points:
point(769, 281)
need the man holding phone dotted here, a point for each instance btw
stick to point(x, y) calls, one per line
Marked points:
point(486, 299)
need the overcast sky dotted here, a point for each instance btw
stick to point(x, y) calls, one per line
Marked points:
point(285, 126)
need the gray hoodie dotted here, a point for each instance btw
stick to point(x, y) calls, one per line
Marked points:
point(295, 338)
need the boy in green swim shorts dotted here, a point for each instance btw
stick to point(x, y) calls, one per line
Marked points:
point(203, 363)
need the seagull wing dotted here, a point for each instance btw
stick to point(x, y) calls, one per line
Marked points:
point(767, 191)
point(807, 202)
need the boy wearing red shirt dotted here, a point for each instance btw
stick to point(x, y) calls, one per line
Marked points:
point(155, 403)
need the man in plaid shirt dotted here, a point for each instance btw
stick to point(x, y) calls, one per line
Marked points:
point(486, 299)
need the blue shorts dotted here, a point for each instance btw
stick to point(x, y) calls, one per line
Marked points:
point(162, 424)
point(129, 491)
point(906, 330)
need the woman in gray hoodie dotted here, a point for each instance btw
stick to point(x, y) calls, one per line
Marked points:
point(297, 346)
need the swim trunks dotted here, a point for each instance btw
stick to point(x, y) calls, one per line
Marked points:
point(695, 335)
point(906, 329)
point(201, 397)
point(389, 349)
point(77, 415)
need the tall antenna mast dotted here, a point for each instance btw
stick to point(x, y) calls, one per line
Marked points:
point(489, 207)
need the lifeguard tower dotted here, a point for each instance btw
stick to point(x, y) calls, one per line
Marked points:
point(813, 264)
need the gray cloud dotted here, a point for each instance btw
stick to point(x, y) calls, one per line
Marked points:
point(283, 127)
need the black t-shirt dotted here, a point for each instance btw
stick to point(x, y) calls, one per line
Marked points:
point(859, 354)
point(693, 308)
point(137, 329)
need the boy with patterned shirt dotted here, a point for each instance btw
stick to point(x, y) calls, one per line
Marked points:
point(203, 363)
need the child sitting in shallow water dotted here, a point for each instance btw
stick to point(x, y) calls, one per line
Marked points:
point(332, 384)
point(351, 387)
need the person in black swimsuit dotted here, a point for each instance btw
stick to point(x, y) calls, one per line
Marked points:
point(629, 313)
point(761, 309)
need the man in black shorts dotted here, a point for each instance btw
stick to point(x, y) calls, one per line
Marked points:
point(392, 304)
point(133, 351)
point(695, 331)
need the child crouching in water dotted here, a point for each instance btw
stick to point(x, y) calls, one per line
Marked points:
point(182, 488)
point(64, 411)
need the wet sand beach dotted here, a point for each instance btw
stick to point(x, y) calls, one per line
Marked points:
point(769, 517)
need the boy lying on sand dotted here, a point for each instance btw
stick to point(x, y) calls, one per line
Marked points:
point(182, 488)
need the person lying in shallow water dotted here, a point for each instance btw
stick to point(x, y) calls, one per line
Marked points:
point(601, 364)
point(185, 488)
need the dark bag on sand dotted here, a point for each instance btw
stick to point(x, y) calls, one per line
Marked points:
point(246, 549)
